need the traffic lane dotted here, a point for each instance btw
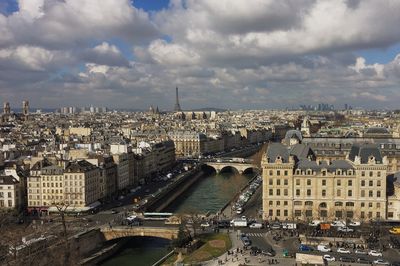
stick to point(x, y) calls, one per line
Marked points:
point(254, 204)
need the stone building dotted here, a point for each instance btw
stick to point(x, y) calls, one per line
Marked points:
point(298, 186)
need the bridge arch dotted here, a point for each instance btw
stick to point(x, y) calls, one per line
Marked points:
point(208, 168)
point(251, 169)
point(229, 168)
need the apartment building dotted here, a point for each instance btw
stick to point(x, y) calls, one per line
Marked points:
point(296, 185)
point(10, 193)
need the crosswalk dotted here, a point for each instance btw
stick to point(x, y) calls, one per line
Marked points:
point(256, 234)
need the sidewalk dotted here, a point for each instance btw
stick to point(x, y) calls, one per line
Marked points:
point(243, 257)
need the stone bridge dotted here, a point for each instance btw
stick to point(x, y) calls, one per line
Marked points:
point(127, 231)
point(239, 164)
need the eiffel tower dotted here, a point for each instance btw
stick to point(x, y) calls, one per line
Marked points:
point(177, 107)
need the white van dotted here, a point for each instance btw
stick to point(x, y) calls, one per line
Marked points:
point(256, 225)
point(323, 248)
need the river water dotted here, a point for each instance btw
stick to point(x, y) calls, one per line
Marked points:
point(209, 194)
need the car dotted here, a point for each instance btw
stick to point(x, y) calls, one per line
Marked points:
point(114, 211)
point(239, 210)
point(347, 259)
point(269, 252)
point(364, 261)
point(354, 224)
point(303, 247)
point(338, 224)
point(345, 229)
point(314, 223)
point(329, 258)
point(205, 224)
point(361, 252)
point(323, 248)
point(275, 226)
point(375, 253)
point(256, 225)
point(380, 262)
point(343, 251)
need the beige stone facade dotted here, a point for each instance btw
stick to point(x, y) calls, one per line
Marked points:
point(298, 188)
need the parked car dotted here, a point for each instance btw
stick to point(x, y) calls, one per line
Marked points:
point(375, 253)
point(314, 223)
point(345, 229)
point(354, 224)
point(323, 248)
point(269, 252)
point(343, 251)
point(338, 223)
point(381, 262)
point(361, 252)
point(364, 261)
point(328, 257)
point(347, 259)
point(305, 248)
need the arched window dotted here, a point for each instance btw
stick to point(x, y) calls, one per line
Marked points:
point(322, 205)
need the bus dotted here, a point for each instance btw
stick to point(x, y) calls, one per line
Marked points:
point(157, 216)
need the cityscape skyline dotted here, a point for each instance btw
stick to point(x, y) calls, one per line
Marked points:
point(136, 53)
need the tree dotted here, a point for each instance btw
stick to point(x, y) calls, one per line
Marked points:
point(182, 238)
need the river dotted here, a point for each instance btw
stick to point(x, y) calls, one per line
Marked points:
point(209, 194)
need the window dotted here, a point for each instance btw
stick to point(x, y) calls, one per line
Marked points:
point(370, 205)
point(362, 173)
point(371, 174)
point(362, 193)
point(362, 216)
point(390, 214)
point(278, 172)
point(308, 213)
point(378, 174)
point(271, 192)
point(324, 213)
point(350, 183)
point(270, 181)
point(297, 192)
point(270, 213)
point(378, 194)
point(297, 213)
point(338, 182)
point(378, 215)
point(371, 183)
point(308, 182)
point(363, 183)
point(298, 203)
point(323, 193)
point(270, 203)
point(278, 203)
point(349, 204)
point(278, 182)
point(370, 193)
point(338, 204)
point(9, 194)
point(297, 182)
point(278, 192)
point(323, 173)
point(285, 192)
point(362, 204)
point(338, 214)
point(378, 183)
point(350, 193)
point(339, 193)
point(308, 192)
point(285, 172)
point(285, 213)
point(323, 182)
point(285, 182)
point(285, 203)
point(271, 172)
point(308, 203)
point(278, 212)
point(378, 204)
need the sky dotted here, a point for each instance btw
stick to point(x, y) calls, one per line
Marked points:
point(233, 54)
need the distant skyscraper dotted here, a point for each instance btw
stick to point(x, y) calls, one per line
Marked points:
point(25, 107)
point(177, 106)
point(6, 108)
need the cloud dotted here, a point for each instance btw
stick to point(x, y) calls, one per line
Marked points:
point(105, 54)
